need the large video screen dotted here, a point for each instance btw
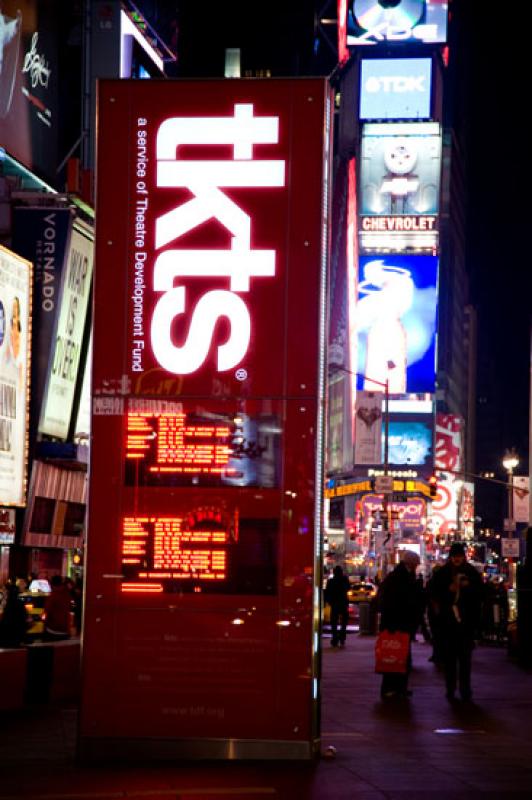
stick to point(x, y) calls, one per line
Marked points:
point(396, 323)
point(400, 184)
point(410, 442)
point(386, 22)
point(199, 447)
point(395, 88)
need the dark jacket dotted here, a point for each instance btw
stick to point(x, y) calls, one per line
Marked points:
point(456, 595)
point(336, 591)
point(398, 601)
point(14, 623)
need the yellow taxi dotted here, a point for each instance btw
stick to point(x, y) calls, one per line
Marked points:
point(361, 591)
point(34, 605)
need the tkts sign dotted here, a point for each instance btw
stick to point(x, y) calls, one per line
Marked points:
point(174, 268)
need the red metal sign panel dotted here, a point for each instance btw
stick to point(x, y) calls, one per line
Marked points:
point(205, 488)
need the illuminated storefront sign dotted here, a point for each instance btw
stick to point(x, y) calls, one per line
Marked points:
point(372, 22)
point(15, 350)
point(207, 424)
point(395, 88)
point(70, 328)
point(400, 185)
point(397, 322)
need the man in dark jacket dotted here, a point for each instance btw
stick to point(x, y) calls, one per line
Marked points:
point(336, 597)
point(456, 596)
point(398, 603)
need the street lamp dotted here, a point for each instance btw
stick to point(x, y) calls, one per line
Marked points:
point(510, 461)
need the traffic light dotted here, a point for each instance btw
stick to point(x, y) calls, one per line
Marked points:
point(433, 486)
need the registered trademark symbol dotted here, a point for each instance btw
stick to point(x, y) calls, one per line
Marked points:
point(241, 374)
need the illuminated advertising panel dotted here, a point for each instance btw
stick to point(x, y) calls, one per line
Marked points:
point(70, 327)
point(41, 235)
point(397, 323)
point(410, 442)
point(15, 350)
point(395, 88)
point(400, 185)
point(29, 81)
point(377, 22)
point(203, 554)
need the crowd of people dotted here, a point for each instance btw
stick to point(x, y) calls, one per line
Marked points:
point(61, 613)
point(452, 610)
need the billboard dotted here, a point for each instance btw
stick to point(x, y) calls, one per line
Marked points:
point(368, 427)
point(203, 545)
point(64, 362)
point(410, 442)
point(41, 235)
point(400, 185)
point(395, 88)
point(15, 354)
point(377, 22)
point(29, 85)
point(396, 323)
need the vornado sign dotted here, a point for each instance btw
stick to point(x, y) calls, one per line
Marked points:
point(208, 182)
point(395, 88)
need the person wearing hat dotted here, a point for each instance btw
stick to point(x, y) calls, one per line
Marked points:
point(456, 595)
point(398, 603)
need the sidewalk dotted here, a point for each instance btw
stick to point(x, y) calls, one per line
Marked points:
point(417, 748)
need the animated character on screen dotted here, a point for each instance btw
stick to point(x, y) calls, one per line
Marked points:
point(9, 36)
point(400, 158)
point(387, 294)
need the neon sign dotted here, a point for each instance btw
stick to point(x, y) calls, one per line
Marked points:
point(237, 264)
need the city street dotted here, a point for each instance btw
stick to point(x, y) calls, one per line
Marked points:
point(417, 748)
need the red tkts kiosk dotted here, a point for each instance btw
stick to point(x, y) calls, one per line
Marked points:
point(201, 631)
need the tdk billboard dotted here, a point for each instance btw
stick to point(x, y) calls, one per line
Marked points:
point(395, 88)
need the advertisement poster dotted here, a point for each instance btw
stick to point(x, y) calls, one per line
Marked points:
point(376, 22)
point(521, 498)
point(15, 350)
point(64, 363)
point(368, 427)
point(396, 315)
point(449, 442)
point(395, 88)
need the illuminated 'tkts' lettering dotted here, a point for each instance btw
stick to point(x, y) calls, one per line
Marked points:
point(239, 263)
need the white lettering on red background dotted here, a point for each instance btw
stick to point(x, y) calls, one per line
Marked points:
point(238, 264)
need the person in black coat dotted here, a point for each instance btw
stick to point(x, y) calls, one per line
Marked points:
point(456, 595)
point(336, 596)
point(398, 603)
point(14, 621)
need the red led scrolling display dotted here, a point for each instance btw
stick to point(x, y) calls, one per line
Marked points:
point(181, 446)
point(170, 549)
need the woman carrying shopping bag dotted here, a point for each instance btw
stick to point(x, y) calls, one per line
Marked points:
point(399, 614)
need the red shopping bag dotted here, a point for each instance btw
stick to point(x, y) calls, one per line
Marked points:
point(391, 652)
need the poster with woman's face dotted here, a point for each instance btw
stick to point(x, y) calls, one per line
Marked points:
point(15, 310)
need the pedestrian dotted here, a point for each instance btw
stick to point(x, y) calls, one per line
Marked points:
point(57, 610)
point(456, 596)
point(398, 603)
point(14, 620)
point(336, 596)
